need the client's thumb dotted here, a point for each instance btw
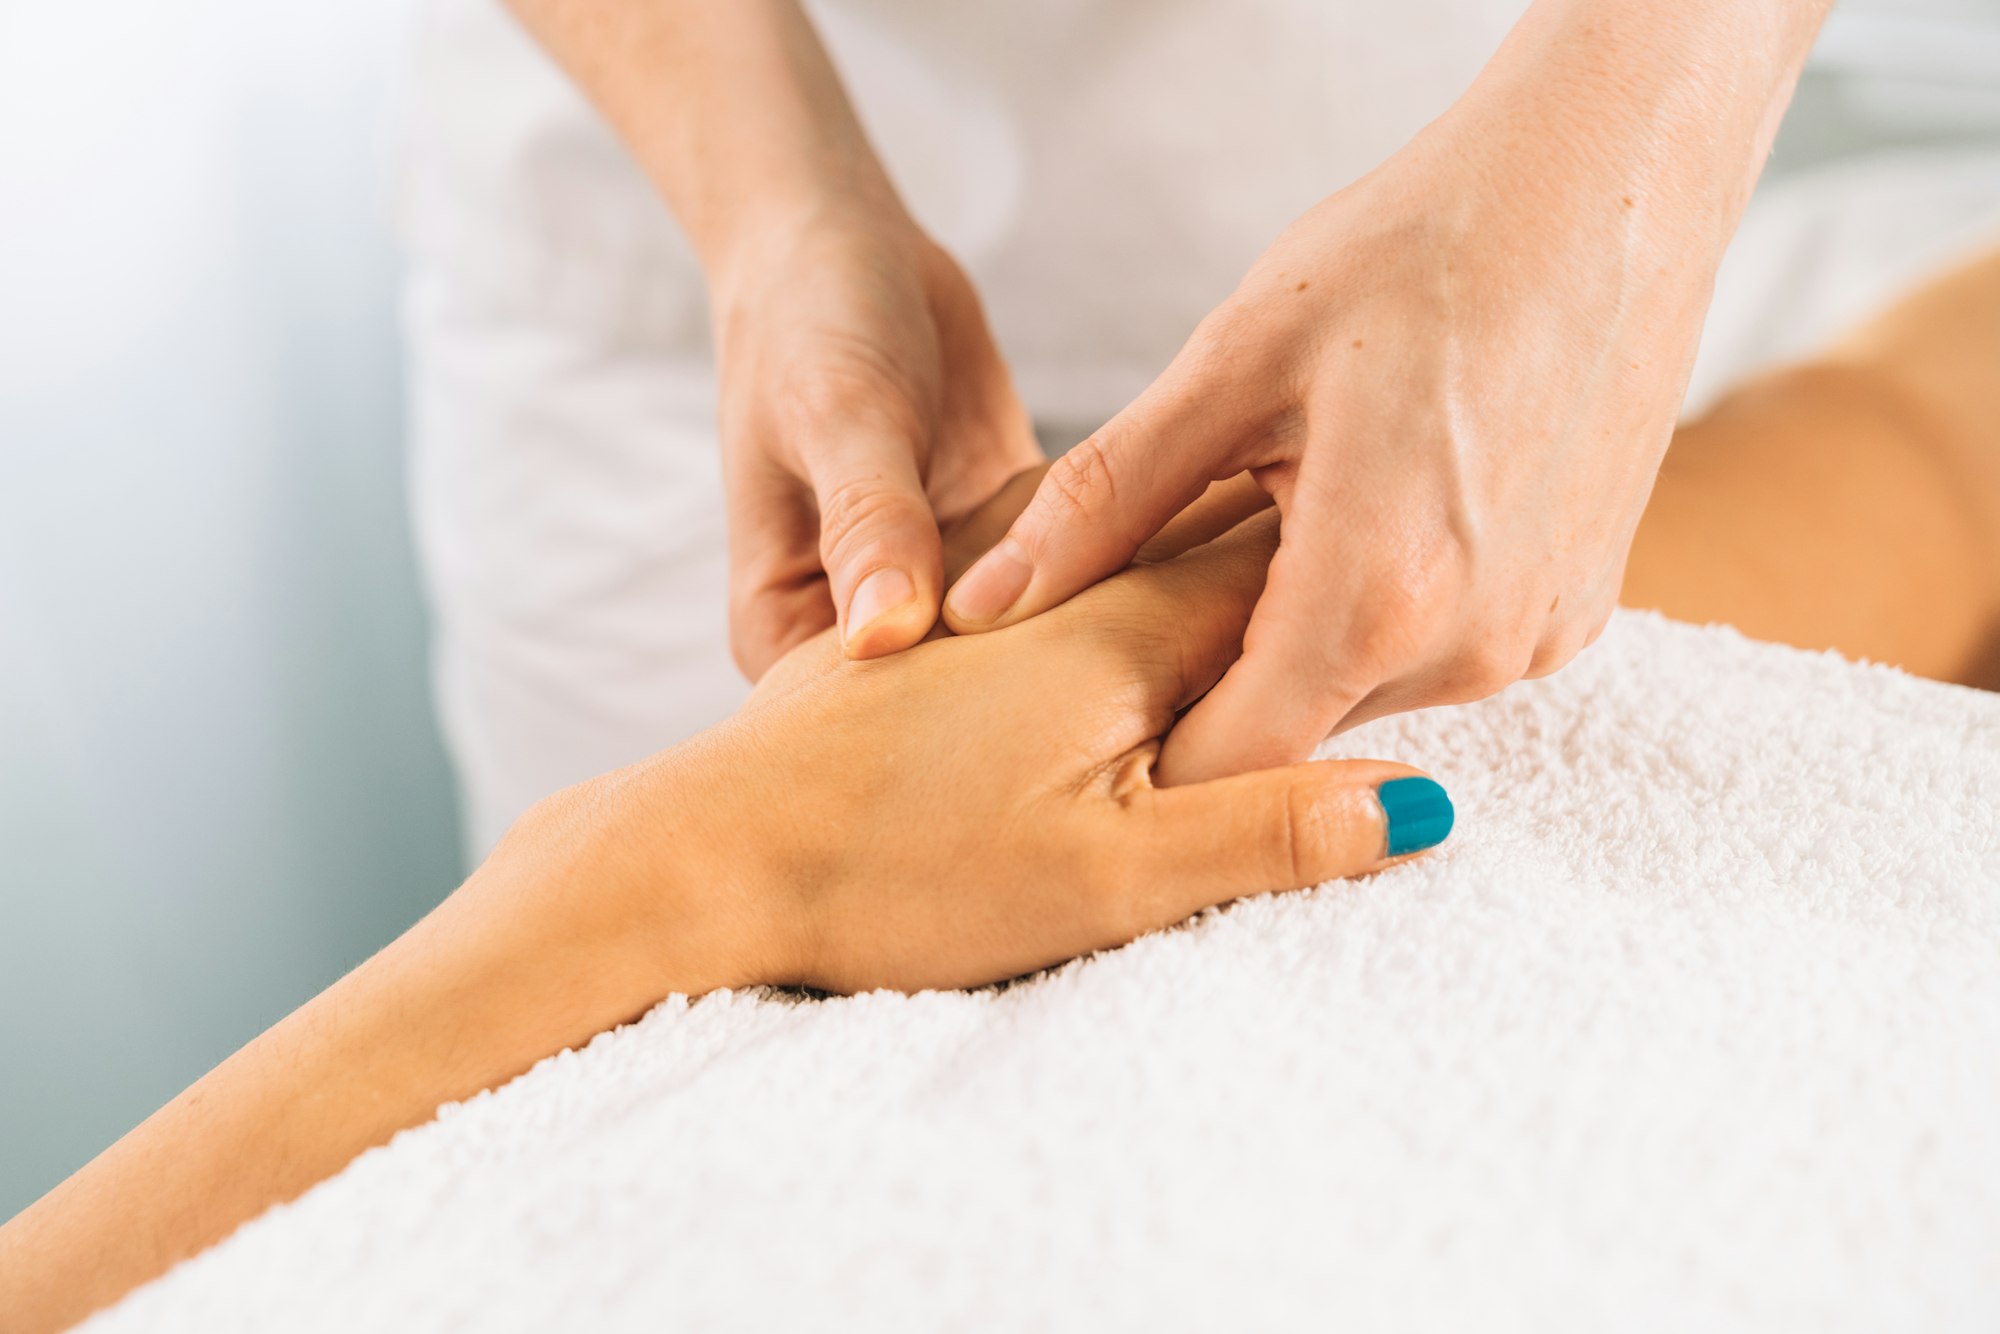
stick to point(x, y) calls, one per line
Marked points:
point(1286, 828)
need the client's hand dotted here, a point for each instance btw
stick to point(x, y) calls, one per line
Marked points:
point(964, 811)
point(970, 810)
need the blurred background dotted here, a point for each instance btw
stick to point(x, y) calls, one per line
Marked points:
point(220, 778)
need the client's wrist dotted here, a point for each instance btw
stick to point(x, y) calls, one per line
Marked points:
point(657, 879)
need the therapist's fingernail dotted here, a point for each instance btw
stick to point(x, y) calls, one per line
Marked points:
point(993, 584)
point(880, 592)
point(1418, 814)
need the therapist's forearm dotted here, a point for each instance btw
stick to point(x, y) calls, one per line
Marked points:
point(1664, 111)
point(732, 108)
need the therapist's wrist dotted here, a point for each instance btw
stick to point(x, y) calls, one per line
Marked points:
point(746, 264)
point(1665, 113)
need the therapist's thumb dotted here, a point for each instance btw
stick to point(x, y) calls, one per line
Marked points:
point(1100, 502)
point(1285, 828)
point(878, 539)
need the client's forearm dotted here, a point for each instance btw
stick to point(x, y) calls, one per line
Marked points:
point(965, 811)
point(500, 975)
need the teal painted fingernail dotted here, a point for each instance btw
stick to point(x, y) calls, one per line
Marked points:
point(1418, 814)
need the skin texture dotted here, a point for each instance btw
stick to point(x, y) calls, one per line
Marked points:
point(1851, 503)
point(1456, 389)
point(863, 402)
point(863, 405)
point(840, 832)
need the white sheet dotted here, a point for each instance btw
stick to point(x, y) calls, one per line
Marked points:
point(1695, 1025)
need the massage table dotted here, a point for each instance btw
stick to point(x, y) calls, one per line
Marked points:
point(1694, 1024)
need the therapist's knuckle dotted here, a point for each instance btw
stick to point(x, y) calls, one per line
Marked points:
point(1556, 651)
point(1082, 485)
point(860, 515)
point(1234, 336)
point(1491, 659)
point(1566, 638)
point(1597, 623)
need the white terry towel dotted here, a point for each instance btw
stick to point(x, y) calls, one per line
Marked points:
point(1693, 1025)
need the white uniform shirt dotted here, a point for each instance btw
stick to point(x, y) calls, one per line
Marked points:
point(1105, 170)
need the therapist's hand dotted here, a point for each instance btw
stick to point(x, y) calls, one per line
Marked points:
point(1456, 378)
point(863, 403)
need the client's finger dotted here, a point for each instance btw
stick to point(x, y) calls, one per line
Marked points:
point(1220, 508)
point(968, 539)
point(1224, 505)
point(1174, 627)
point(1208, 843)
